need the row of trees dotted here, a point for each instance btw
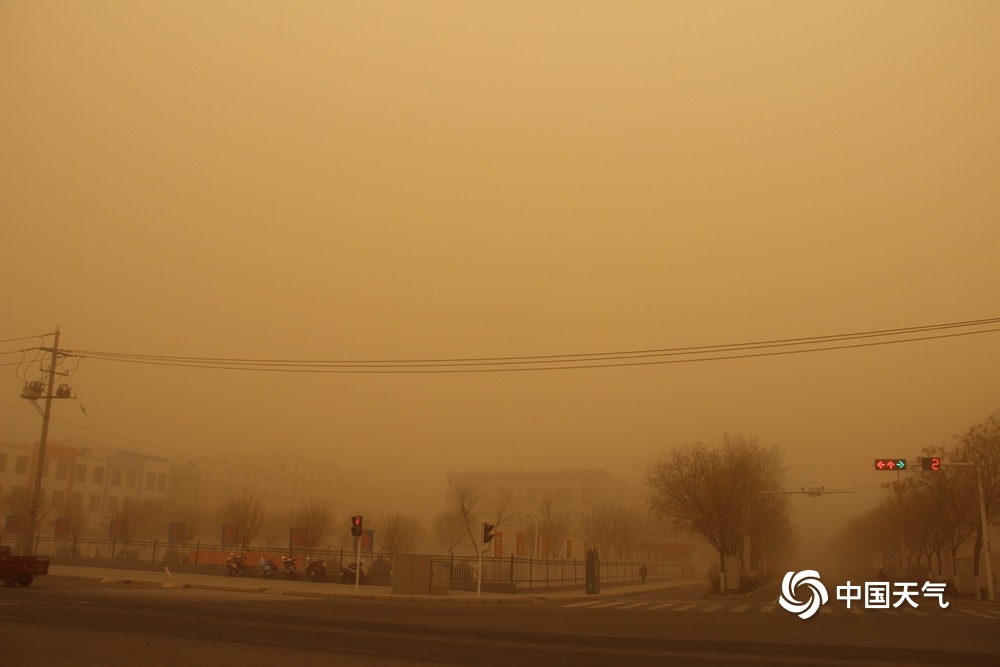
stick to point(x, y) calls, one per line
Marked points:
point(618, 528)
point(928, 514)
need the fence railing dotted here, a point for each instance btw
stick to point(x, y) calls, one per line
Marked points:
point(517, 571)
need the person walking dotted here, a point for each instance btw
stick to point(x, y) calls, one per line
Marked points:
point(642, 573)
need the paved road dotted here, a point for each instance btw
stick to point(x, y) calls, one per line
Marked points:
point(79, 622)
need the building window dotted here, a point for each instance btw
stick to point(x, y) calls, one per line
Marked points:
point(21, 467)
point(80, 474)
point(62, 469)
point(98, 475)
point(95, 502)
point(116, 477)
point(150, 481)
point(130, 478)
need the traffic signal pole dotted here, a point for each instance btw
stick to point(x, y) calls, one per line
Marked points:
point(357, 563)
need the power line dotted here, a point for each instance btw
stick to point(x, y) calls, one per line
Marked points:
point(661, 356)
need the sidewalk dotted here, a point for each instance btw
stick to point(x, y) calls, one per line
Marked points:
point(251, 584)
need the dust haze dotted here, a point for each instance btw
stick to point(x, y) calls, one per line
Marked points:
point(440, 181)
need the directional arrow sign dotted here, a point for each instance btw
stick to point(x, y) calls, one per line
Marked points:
point(890, 464)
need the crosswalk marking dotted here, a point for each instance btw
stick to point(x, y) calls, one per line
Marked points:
point(730, 607)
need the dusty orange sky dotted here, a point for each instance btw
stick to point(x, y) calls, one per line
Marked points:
point(354, 180)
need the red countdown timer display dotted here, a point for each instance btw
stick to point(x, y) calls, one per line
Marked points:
point(930, 463)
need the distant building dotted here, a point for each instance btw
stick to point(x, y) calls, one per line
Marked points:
point(549, 511)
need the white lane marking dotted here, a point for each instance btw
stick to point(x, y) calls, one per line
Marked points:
point(581, 604)
point(741, 607)
point(684, 607)
point(607, 604)
point(767, 608)
point(825, 610)
point(634, 605)
point(711, 607)
point(662, 606)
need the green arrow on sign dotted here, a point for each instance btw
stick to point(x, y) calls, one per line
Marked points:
point(901, 464)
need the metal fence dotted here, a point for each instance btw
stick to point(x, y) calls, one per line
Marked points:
point(509, 571)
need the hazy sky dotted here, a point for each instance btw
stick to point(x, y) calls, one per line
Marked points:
point(359, 180)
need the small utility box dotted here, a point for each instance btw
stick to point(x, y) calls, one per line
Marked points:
point(420, 575)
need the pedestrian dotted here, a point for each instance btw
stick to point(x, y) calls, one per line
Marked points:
point(642, 573)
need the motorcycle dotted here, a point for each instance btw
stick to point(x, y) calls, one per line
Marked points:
point(289, 564)
point(348, 573)
point(268, 568)
point(236, 566)
point(316, 570)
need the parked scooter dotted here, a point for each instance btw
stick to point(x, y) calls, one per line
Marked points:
point(316, 570)
point(236, 566)
point(289, 564)
point(348, 573)
point(268, 568)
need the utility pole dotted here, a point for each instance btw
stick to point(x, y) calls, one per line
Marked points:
point(29, 547)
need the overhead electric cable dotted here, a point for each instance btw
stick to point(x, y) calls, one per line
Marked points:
point(659, 356)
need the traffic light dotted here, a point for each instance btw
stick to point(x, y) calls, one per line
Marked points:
point(488, 532)
point(890, 464)
point(930, 463)
point(356, 526)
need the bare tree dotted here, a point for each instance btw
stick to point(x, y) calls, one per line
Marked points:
point(141, 520)
point(448, 530)
point(466, 497)
point(316, 519)
point(556, 523)
point(618, 529)
point(398, 533)
point(18, 504)
point(980, 445)
point(713, 492)
point(500, 505)
point(247, 514)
